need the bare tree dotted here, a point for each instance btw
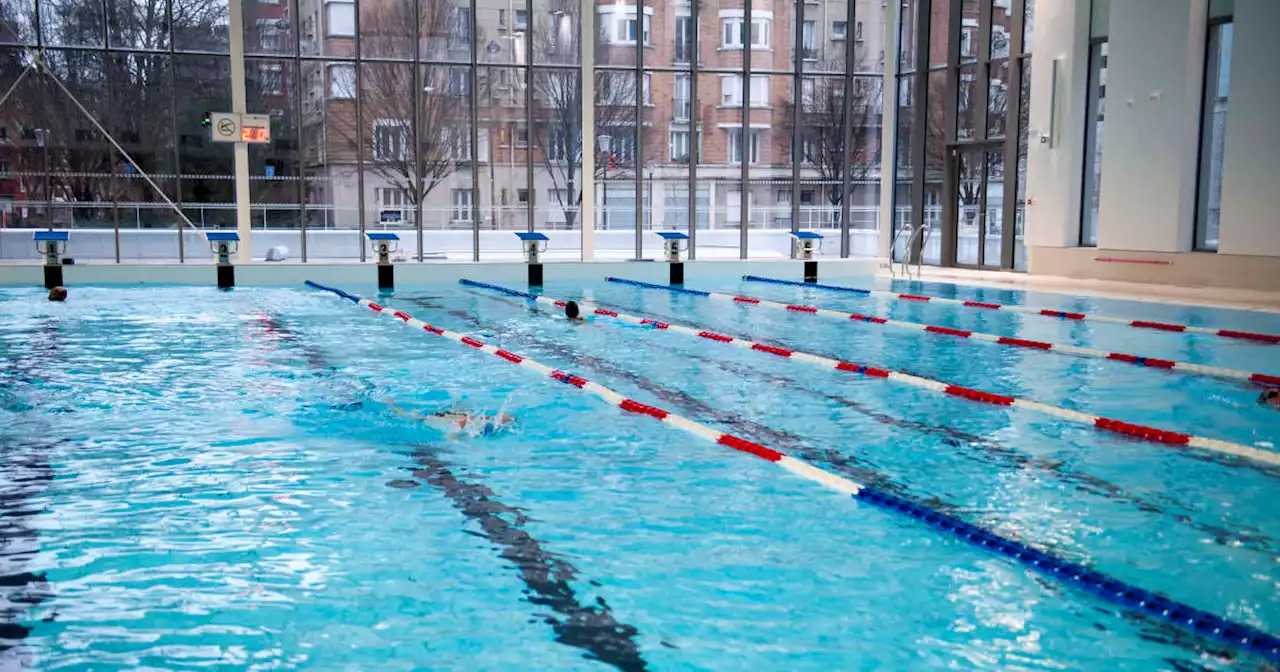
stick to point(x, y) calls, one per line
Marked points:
point(407, 106)
point(558, 124)
point(825, 147)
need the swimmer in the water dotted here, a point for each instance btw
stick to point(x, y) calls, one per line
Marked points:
point(571, 311)
point(459, 421)
point(58, 294)
point(1271, 397)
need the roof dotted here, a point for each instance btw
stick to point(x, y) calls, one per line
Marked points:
point(382, 235)
point(806, 235)
point(531, 235)
point(52, 235)
point(672, 235)
point(220, 236)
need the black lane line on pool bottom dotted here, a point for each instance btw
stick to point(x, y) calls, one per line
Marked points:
point(999, 454)
point(1007, 456)
point(592, 628)
point(26, 466)
point(546, 575)
point(1156, 630)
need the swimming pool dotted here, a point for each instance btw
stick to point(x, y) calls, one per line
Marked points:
point(201, 478)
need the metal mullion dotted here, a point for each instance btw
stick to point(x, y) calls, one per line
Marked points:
point(359, 134)
point(531, 200)
point(983, 79)
point(797, 91)
point(950, 221)
point(694, 134)
point(475, 133)
point(415, 109)
point(177, 138)
point(847, 131)
point(1009, 233)
point(919, 121)
point(744, 144)
point(299, 118)
point(638, 151)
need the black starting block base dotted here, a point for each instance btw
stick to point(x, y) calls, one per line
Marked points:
point(677, 272)
point(226, 276)
point(386, 277)
point(52, 277)
point(810, 271)
point(535, 275)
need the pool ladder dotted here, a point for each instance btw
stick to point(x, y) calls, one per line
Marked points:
point(922, 232)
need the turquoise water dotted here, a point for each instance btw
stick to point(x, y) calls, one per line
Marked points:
point(191, 478)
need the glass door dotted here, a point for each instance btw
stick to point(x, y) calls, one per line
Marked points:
point(977, 195)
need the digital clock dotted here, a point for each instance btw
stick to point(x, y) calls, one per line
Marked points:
point(255, 134)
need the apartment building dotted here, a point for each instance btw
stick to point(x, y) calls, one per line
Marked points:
point(528, 62)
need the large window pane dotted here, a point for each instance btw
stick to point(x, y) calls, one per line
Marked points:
point(1213, 134)
point(72, 23)
point(1094, 124)
point(200, 25)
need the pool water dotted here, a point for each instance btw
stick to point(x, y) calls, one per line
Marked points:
point(242, 480)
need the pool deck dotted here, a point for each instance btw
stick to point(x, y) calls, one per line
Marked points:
point(1211, 297)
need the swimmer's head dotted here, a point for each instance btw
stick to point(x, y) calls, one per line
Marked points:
point(1271, 396)
point(571, 310)
point(58, 294)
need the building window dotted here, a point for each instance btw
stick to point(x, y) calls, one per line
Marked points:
point(809, 41)
point(268, 36)
point(271, 79)
point(734, 26)
point(731, 90)
point(684, 39)
point(683, 100)
point(390, 140)
point(392, 204)
point(459, 140)
point(522, 197)
point(1213, 133)
point(735, 145)
point(857, 31)
point(968, 39)
point(1095, 118)
point(839, 29)
point(619, 25)
point(678, 145)
point(342, 80)
point(459, 29)
point(618, 143)
point(340, 19)
point(619, 88)
point(461, 200)
point(558, 149)
point(522, 20)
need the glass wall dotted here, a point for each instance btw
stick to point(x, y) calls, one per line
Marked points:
point(453, 122)
point(963, 91)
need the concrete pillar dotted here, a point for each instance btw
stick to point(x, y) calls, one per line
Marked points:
point(1155, 73)
point(1251, 158)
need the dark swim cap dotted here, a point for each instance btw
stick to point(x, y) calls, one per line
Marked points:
point(571, 309)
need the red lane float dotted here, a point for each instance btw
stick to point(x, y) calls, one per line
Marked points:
point(1132, 430)
point(1141, 324)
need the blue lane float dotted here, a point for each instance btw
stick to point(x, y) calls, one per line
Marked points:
point(815, 285)
point(649, 285)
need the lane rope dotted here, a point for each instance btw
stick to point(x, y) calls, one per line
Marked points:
point(1151, 362)
point(1125, 595)
point(1132, 430)
point(1059, 314)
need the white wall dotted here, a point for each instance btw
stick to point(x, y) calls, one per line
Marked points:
point(1250, 218)
point(1155, 72)
point(1054, 173)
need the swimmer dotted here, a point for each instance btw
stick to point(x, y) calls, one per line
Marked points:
point(459, 421)
point(483, 425)
point(571, 311)
point(58, 294)
point(1270, 397)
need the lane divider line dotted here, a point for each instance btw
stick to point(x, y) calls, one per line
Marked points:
point(1151, 362)
point(1059, 314)
point(1128, 596)
point(1129, 429)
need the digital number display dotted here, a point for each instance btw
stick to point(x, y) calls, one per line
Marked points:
point(255, 134)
